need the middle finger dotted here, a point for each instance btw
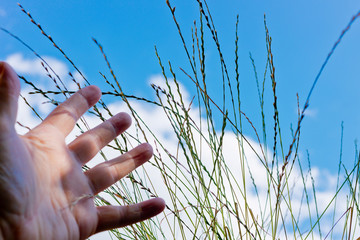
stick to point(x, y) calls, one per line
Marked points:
point(87, 145)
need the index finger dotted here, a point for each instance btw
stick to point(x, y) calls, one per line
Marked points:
point(65, 116)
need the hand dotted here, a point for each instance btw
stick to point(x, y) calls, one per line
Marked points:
point(44, 193)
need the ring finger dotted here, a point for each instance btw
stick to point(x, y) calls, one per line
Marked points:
point(107, 173)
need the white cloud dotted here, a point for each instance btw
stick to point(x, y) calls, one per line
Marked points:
point(33, 66)
point(159, 124)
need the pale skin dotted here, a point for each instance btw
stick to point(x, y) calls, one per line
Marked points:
point(44, 193)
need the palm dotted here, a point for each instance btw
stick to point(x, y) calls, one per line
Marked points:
point(56, 181)
point(45, 193)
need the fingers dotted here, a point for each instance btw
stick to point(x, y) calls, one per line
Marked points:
point(107, 173)
point(9, 94)
point(86, 146)
point(111, 217)
point(65, 116)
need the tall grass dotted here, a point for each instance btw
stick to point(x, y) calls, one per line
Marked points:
point(219, 183)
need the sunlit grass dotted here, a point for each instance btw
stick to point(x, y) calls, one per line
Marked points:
point(263, 189)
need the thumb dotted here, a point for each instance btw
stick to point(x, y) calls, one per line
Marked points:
point(9, 94)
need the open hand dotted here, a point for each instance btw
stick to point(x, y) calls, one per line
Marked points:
point(44, 193)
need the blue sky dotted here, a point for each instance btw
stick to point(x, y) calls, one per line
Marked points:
point(303, 33)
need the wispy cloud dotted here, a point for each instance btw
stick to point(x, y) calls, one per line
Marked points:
point(2, 13)
point(311, 112)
